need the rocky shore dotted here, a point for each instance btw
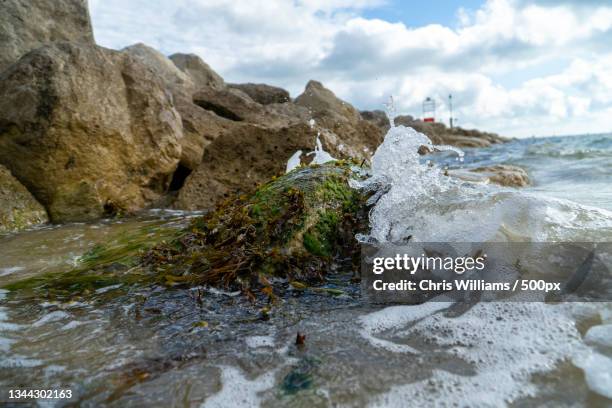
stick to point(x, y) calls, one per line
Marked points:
point(88, 132)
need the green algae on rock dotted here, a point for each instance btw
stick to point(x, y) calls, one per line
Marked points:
point(298, 226)
point(112, 264)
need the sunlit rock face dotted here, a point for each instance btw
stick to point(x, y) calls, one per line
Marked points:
point(26, 25)
point(89, 131)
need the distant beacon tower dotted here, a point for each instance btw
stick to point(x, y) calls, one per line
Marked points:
point(429, 110)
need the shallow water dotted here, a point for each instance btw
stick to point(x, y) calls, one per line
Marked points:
point(153, 345)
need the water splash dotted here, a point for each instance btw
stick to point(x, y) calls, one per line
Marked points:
point(403, 184)
point(418, 201)
point(320, 155)
point(390, 111)
point(294, 161)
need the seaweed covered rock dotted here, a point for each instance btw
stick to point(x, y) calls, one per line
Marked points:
point(18, 209)
point(298, 226)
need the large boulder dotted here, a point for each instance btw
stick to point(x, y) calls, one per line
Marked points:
point(174, 78)
point(200, 72)
point(87, 130)
point(257, 140)
point(322, 103)
point(29, 24)
point(291, 227)
point(228, 103)
point(198, 124)
point(18, 209)
point(201, 98)
point(263, 94)
point(340, 123)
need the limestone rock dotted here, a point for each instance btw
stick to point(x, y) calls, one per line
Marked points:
point(257, 140)
point(200, 72)
point(263, 94)
point(199, 126)
point(322, 102)
point(505, 175)
point(161, 66)
point(378, 118)
point(18, 209)
point(502, 174)
point(88, 131)
point(228, 103)
point(29, 24)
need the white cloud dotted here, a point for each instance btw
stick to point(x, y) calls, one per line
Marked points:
point(365, 60)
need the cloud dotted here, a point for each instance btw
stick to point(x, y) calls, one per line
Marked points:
point(365, 60)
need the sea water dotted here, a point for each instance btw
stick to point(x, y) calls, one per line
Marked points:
point(154, 346)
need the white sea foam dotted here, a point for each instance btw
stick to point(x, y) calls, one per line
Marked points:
point(51, 317)
point(393, 317)
point(11, 270)
point(238, 391)
point(260, 341)
point(600, 336)
point(506, 343)
point(598, 372)
point(320, 155)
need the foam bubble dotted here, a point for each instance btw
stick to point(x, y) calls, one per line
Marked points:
point(260, 341)
point(506, 343)
point(598, 372)
point(238, 391)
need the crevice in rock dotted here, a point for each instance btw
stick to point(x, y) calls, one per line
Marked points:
point(178, 178)
point(218, 109)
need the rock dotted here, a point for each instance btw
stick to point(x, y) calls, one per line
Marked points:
point(18, 209)
point(163, 67)
point(228, 103)
point(89, 131)
point(257, 140)
point(377, 118)
point(290, 227)
point(200, 72)
point(322, 103)
point(245, 156)
point(199, 126)
point(29, 24)
point(505, 175)
point(299, 227)
point(502, 174)
point(263, 94)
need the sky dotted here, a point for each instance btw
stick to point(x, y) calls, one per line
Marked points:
point(520, 68)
